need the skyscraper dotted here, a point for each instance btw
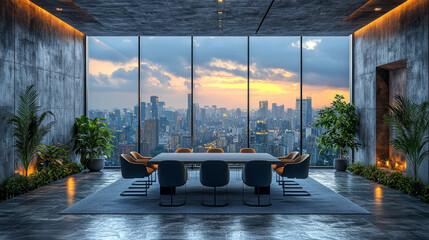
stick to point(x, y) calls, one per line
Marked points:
point(274, 110)
point(188, 113)
point(161, 108)
point(307, 112)
point(261, 132)
point(281, 111)
point(143, 111)
point(263, 109)
point(151, 133)
point(154, 102)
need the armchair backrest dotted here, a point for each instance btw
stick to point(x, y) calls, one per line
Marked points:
point(292, 155)
point(132, 169)
point(172, 173)
point(215, 150)
point(247, 150)
point(214, 173)
point(136, 155)
point(298, 169)
point(257, 173)
point(184, 150)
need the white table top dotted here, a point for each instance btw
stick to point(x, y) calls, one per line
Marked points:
point(194, 158)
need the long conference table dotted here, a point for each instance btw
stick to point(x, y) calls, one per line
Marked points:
point(230, 158)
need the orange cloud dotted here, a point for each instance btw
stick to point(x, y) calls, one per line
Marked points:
point(228, 65)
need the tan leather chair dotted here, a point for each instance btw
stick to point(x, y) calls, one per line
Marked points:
point(130, 168)
point(298, 170)
point(290, 158)
point(184, 150)
point(247, 150)
point(297, 160)
point(215, 150)
point(132, 160)
point(140, 158)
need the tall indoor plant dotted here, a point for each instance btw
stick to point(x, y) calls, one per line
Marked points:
point(340, 121)
point(410, 124)
point(27, 126)
point(92, 141)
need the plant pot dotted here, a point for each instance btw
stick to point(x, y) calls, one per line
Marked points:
point(96, 164)
point(340, 164)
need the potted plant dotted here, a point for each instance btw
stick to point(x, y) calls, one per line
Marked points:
point(410, 124)
point(340, 122)
point(27, 127)
point(93, 141)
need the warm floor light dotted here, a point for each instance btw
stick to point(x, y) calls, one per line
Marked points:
point(219, 12)
point(220, 1)
point(377, 9)
point(59, 9)
point(71, 190)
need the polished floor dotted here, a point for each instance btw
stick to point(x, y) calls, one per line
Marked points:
point(394, 215)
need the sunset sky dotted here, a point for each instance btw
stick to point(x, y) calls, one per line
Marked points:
point(220, 70)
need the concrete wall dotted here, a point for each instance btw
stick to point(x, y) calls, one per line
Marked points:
point(37, 48)
point(398, 35)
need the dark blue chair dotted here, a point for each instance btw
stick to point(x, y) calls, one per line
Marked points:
point(172, 174)
point(298, 170)
point(257, 174)
point(214, 173)
point(130, 168)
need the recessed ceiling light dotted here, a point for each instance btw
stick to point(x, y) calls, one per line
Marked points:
point(59, 9)
point(377, 9)
point(323, 13)
point(220, 20)
point(220, 12)
point(219, 0)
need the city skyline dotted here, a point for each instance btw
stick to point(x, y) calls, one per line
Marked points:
point(274, 70)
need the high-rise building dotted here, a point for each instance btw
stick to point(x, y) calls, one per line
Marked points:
point(238, 113)
point(154, 103)
point(263, 109)
point(161, 109)
point(143, 111)
point(151, 133)
point(274, 110)
point(281, 111)
point(188, 114)
point(307, 112)
point(163, 123)
point(136, 110)
point(261, 132)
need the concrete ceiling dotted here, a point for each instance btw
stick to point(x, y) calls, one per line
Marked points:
point(201, 17)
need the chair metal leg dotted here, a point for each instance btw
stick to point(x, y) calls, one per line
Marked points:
point(138, 188)
point(214, 200)
point(295, 193)
point(259, 199)
point(171, 200)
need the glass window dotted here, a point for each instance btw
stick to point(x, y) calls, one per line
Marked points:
point(220, 93)
point(274, 88)
point(112, 89)
point(165, 94)
point(325, 74)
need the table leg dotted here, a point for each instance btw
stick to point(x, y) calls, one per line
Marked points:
point(166, 190)
point(263, 190)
